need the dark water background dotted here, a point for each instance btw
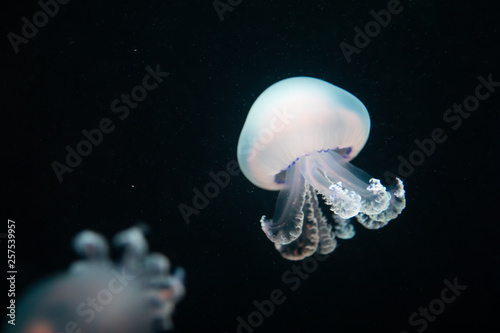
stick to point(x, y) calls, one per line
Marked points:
point(428, 58)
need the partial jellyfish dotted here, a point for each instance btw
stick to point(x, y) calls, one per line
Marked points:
point(136, 295)
point(298, 138)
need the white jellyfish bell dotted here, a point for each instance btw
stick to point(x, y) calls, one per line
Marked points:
point(298, 138)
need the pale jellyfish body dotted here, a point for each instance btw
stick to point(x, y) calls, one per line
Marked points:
point(136, 295)
point(299, 137)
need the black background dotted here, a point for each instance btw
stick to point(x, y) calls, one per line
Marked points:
point(427, 59)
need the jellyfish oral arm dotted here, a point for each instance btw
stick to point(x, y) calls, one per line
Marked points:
point(288, 225)
point(345, 188)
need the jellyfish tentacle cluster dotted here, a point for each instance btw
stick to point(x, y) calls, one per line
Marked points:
point(308, 156)
point(136, 295)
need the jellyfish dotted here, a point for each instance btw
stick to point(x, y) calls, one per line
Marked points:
point(136, 295)
point(299, 137)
